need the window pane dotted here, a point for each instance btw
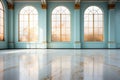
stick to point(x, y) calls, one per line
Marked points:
point(1, 6)
point(61, 24)
point(90, 17)
point(86, 17)
point(1, 22)
point(96, 17)
point(28, 25)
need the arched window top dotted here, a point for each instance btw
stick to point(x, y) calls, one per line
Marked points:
point(61, 10)
point(28, 10)
point(1, 6)
point(93, 10)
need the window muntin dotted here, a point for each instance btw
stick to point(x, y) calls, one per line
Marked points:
point(61, 24)
point(28, 24)
point(93, 24)
point(1, 22)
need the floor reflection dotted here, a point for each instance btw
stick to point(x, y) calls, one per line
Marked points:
point(60, 64)
point(61, 68)
point(29, 67)
point(1, 68)
point(93, 68)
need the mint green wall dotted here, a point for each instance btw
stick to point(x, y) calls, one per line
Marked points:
point(4, 44)
point(117, 27)
point(111, 26)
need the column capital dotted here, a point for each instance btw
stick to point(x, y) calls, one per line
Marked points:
point(77, 6)
point(44, 6)
point(10, 6)
point(111, 6)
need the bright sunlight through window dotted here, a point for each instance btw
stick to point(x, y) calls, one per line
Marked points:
point(61, 24)
point(28, 24)
point(93, 24)
point(1, 22)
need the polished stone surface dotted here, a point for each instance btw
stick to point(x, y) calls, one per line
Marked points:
point(60, 64)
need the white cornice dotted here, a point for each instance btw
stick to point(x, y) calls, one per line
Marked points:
point(112, 1)
point(10, 1)
point(109, 1)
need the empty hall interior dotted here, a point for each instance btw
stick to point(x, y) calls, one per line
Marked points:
point(59, 39)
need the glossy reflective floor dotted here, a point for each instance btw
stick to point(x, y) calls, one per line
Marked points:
point(60, 64)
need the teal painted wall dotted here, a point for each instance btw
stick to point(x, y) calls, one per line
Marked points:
point(77, 26)
point(4, 44)
point(117, 28)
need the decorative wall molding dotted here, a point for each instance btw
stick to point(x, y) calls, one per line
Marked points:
point(44, 6)
point(10, 6)
point(77, 42)
point(44, 42)
point(61, 0)
point(77, 6)
point(10, 42)
point(111, 6)
point(109, 42)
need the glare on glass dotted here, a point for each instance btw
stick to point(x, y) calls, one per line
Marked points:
point(93, 24)
point(28, 24)
point(61, 24)
point(1, 22)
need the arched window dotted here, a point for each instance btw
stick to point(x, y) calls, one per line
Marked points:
point(93, 24)
point(61, 24)
point(28, 24)
point(1, 22)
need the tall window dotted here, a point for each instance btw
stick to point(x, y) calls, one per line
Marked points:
point(93, 24)
point(28, 24)
point(1, 22)
point(61, 24)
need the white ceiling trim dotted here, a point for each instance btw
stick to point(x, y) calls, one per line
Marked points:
point(109, 1)
point(77, 1)
point(43, 1)
point(112, 1)
point(27, 0)
point(10, 1)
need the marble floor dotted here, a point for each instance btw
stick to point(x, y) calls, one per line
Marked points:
point(60, 64)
